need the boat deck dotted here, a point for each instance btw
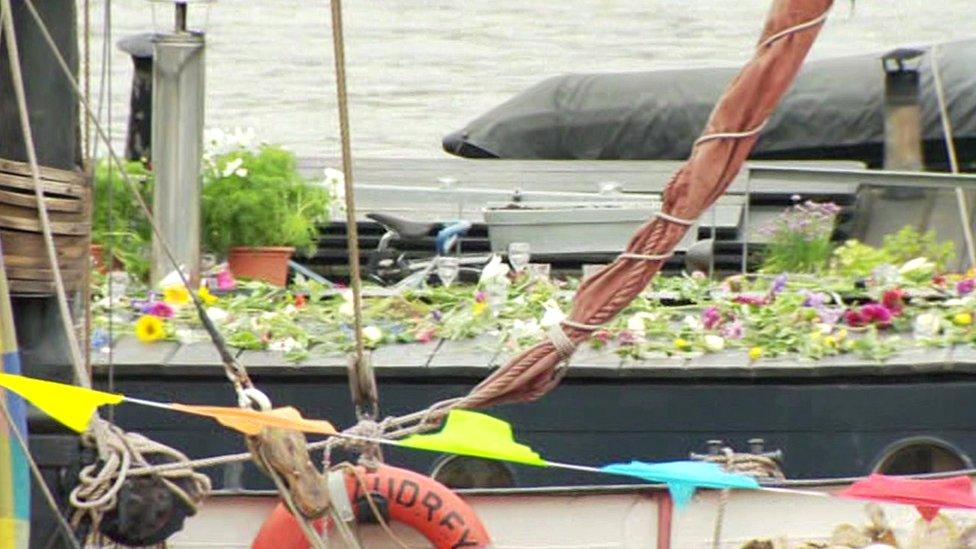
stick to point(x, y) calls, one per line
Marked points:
point(476, 357)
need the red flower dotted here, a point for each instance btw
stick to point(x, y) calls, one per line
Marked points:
point(300, 300)
point(854, 318)
point(877, 314)
point(894, 300)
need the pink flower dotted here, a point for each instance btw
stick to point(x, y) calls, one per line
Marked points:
point(966, 286)
point(480, 297)
point(752, 299)
point(877, 314)
point(711, 318)
point(160, 309)
point(225, 280)
point(425, 336)
point(733, 330)
point(627, 337)
point(603, 336)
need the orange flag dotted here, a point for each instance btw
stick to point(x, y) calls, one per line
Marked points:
point(250, 422)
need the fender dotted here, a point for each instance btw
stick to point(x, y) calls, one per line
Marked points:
point(415, 500)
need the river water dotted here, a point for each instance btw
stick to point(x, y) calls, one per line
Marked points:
point(419, 69)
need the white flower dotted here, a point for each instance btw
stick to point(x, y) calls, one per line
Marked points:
point(289, 309)
point(217, 315)
point(825, 329)
point(636, 325)
point(714, 343)
point(494, 270)
point(285, 345)
point(917, 265)
point(693, 323)
point(372, 335)
point(525, 328)
point(241, 172)
point(232, 167)
point(185, 335)
point(553, 315)
point(346, 309)
point(334, 177)
point(926, 325)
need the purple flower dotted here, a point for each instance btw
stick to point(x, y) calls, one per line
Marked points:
point(964, 287)
point(815, 300)
point(779, 284)
point(732, 330)
point(711, 317)
point(830, 315)
point(159, 309)
point(436, 315)
point(480, 297)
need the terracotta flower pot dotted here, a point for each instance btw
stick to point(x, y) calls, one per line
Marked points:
point(97, 252)
point(269, 264)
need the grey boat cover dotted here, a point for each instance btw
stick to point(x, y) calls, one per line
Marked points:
point(834, 110)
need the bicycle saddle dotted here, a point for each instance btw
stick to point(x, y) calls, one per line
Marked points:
point(404, 227)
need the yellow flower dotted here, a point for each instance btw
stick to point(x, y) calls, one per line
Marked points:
point(150, 328)
point(205, 296)
point(842, 334)
point(830, 341)
point(815, 336)
point(962, 319)
point(479, 307)
point(681, 344)
point(176, 294)
point(755, 353)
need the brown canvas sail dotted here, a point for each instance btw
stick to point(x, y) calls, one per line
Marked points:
point(732, 130)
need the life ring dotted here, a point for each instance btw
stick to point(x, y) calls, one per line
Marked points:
point(415, 500)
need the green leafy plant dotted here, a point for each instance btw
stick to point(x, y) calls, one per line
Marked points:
point(258, 198)
point(118, 223)
point(908, 244)
point(857, 259)
point(799, 238)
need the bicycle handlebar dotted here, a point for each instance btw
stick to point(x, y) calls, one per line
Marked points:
point(447, 236)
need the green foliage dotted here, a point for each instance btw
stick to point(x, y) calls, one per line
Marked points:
point(799, 239)
point(856, 259)
point(908, 244)
point(259, 199)
point(118, 223)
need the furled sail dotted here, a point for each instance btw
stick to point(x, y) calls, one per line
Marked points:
point(732, 130)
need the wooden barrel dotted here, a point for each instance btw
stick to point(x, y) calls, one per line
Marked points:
point(67, 195)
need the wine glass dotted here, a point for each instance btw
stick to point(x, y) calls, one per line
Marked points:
point(447, 270)
point(518, 255)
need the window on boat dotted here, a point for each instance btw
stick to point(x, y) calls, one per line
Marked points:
point(471, 472)
point(921, 455)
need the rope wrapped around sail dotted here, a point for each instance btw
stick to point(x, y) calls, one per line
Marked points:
point(729, 136)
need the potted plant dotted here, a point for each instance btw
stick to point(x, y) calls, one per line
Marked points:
point(118, 223)
point(257, 210)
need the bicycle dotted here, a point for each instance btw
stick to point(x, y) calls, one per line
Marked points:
point(392, 267)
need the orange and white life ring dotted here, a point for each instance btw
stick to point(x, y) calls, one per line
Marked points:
point(415, 500)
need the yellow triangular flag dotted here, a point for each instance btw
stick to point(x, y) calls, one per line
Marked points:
point(472, 434)
point(251, 422)
point(71, 405)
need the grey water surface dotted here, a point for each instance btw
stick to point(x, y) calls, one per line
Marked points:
point(419, 69)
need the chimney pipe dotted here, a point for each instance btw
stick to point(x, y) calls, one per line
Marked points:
point(902, 112)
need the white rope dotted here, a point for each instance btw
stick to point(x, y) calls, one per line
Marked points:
point(731, 135)
point(795, 28)
point(646, 257)
point(675, 219)
point(581, 326)
point(99, 483)
point(564, 346)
